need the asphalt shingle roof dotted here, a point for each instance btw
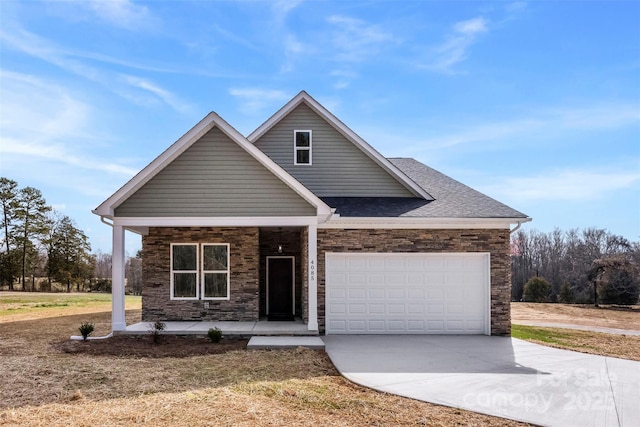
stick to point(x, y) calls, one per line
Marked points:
point(452, 199)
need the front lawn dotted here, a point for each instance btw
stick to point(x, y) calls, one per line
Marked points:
point(622, 346)
point(49, 381)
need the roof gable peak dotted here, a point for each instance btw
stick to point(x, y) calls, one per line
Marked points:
point(211, 120)
point(350, 135)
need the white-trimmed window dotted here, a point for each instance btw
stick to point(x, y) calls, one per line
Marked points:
point(215, 271)
point(184, 271)
point(302, 147)
point(200, 271)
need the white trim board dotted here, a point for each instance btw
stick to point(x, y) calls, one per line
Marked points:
point(267, 221)
point(431, 223)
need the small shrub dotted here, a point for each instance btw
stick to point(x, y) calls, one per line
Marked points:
point(537, 289)
point(214, 334)
point(156, 328)
point(620, 288)
point(566, 294)
point(86, 329)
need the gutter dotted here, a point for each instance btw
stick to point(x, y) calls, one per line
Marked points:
point(102, 219)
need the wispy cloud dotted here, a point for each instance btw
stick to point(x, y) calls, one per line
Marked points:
point(282, 8)
point(44, 121)
point(234, 37)
point(355, 40)
point(39, 47)
point(552, 120)
point(122, 14)
point(162, 94)
point(343, 77)
point(293, 48)
point(254, 100)
point(564, 185)
point(456, 46)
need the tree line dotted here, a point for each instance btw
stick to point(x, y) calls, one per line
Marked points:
point(37, 241)
point(580, 266)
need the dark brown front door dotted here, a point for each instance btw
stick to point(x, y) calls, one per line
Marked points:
point(280, 279)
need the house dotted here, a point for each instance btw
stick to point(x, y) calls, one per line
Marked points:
point(304, 219)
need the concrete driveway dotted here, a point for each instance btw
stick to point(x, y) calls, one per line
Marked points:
point(499, 376)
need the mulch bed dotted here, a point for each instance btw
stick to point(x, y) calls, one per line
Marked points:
point(144, 346)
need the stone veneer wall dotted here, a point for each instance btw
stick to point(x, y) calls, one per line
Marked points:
point(244, 262)
point(494, 241)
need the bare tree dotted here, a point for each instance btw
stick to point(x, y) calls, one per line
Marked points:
point(565, 259)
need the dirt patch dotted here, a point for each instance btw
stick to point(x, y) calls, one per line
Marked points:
point(144, 346)
point(575, 314)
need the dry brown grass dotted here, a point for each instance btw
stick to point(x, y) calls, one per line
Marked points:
point(578, 314)
point(622, 346)
point(43, 385)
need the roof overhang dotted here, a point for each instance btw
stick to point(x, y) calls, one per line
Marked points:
point(422, 223)
point(380, 160)
point(108, 207)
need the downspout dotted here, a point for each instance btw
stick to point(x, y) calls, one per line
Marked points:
point(515, 229)
point(110, 334)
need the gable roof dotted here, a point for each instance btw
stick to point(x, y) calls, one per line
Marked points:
point(385, 164)
point(108, 207)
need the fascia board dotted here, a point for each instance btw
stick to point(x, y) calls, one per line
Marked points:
point(267, 221)
point(337, 124)
point(427, 223)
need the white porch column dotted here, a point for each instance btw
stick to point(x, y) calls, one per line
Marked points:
point(312, 241)
point(118, 322)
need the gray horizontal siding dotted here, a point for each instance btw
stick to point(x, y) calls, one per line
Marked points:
point(212, 178)
point(339, 168)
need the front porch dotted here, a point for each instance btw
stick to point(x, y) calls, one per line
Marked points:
point(229, 329)
point(256, 289)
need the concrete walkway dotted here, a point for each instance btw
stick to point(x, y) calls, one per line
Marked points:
point(499, 376)
point(578, 327)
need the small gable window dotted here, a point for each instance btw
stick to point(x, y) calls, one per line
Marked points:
point(302, 147)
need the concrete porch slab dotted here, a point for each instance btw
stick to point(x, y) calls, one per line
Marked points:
point(262, 328)
point(261, 343)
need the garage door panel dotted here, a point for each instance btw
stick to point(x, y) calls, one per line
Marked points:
point(376, 309)
point(415, 309)
point(396, 294)
point(357, 293)
point(407, 293)
point(376, 278)
point(357, 309)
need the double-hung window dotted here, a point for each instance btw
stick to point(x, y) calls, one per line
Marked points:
point(302, 147)
point(200, 271)
point(215, 271)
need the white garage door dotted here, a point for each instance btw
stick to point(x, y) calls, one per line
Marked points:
point(420, 293)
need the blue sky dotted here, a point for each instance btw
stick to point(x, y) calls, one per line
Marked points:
point(537, 103)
